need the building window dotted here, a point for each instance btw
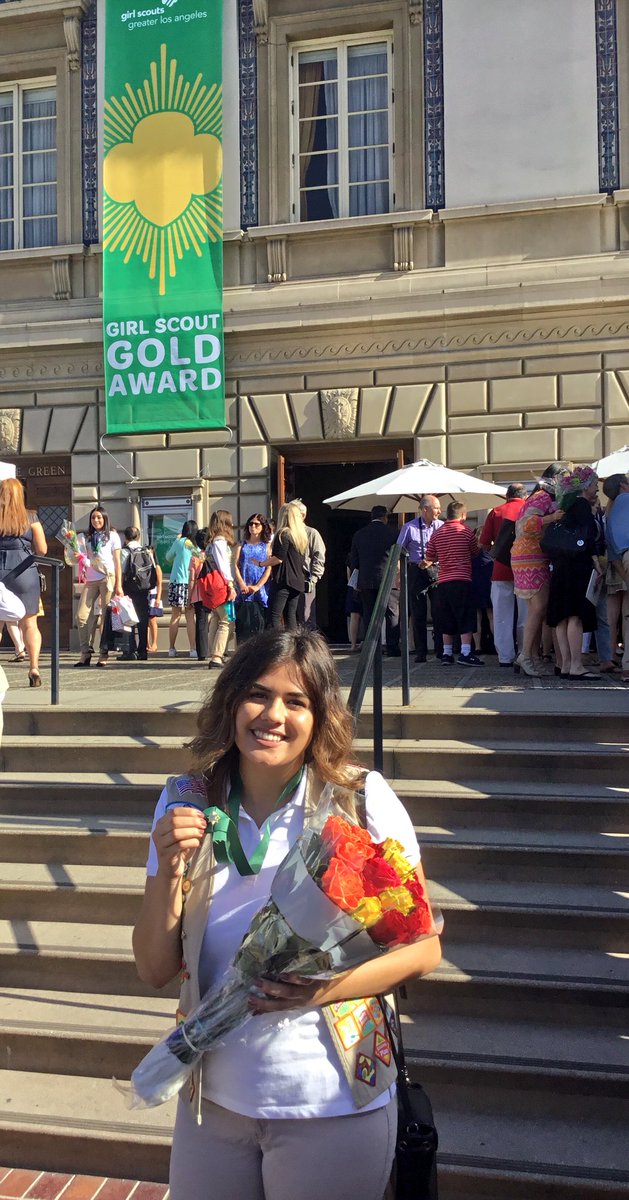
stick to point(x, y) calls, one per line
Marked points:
point(342, 120)
point(28, 166)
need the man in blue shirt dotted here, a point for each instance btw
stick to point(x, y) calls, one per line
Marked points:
point(616, 488)
point(415, 536)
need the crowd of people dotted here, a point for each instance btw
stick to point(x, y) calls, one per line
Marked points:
point(546, 573)
point(216, 581)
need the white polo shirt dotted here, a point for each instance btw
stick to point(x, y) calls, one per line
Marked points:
point(279, 1064)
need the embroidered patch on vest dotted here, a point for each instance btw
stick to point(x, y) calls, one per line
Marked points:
point(382, 1048)
point(376, 1011)
point(189, 785)
point(348, 1031)
point(363, 1015)
point(366, 1070)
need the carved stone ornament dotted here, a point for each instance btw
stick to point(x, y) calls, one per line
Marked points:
point(261, 21)
point(10, 425)
point(72, 31)
point(416, 11)
point(339, 409)
point(276, 259)
point(61, 286)
point(403, 248)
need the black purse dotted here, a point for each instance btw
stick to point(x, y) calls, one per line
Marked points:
point(414, 1175)
point(561, 541)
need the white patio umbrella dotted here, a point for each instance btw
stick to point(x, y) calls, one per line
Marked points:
point(402, 490)
point(614, 464)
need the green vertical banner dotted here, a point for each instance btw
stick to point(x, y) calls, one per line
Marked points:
point(163, 217)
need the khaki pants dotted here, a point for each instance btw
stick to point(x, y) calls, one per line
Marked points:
point(86, 618)
point(218, 632)
point(231, 1157)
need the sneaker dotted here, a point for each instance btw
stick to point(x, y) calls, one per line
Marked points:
point(193, 654)
point(172, 653)
point(447, 660)
point(470, 660)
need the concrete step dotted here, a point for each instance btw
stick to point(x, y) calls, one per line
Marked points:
point(508, 804)
point(154, 753)
point(82, 1126)
point(100, 794)
point(98, 957)
point(88, 1034)
point(579, 914)
point(511, 1137)
point(452, 759)
point(415, 722)
point(73, 957)
point(566, 763)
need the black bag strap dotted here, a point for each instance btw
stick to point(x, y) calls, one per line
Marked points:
point(397, 1047)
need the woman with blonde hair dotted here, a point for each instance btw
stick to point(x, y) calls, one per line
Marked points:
point(21, 534)
point(287, 557)
point(218, 552)
point(278, 1109)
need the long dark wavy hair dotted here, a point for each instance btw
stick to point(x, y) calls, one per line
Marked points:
point(214, 752)
point(266, 528)
point(93, 535)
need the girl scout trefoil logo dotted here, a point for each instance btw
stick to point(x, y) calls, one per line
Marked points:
point(163, 169)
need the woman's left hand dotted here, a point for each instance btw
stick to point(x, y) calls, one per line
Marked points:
point(291, 991)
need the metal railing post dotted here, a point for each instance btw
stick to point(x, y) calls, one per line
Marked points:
point(406, 666)
point(378, 720)
point(55, 565)
point(54, 649)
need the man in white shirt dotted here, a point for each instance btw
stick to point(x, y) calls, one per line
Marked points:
point(415, 536)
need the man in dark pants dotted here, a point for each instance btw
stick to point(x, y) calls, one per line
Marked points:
point(139, 595)
point(368, 554)
point(415, 536)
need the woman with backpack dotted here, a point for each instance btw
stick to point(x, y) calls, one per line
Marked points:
point(103, 579)
point(218, 552)
point(570, 613)
point(21, 534)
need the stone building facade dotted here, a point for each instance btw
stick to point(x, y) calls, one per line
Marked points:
point(470, 307)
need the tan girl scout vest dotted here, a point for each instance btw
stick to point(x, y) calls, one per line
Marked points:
point(357, 1027)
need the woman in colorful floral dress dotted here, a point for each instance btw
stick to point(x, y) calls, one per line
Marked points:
point(531, 567)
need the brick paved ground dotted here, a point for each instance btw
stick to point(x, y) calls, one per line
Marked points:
point(17, 1184)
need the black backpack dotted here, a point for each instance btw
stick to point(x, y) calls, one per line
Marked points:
point(503, 545)
point(139, 571)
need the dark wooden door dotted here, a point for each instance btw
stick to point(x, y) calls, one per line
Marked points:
point(48, 485)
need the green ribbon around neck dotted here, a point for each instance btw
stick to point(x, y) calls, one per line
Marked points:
point(226, 838)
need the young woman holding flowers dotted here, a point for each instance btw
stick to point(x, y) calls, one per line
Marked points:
point(103, 579)
point(268, 1119)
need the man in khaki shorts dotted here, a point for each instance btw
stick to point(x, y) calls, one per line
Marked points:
point(616, 488)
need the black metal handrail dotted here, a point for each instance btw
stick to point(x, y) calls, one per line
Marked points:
point(370, 660)
point(55, 565)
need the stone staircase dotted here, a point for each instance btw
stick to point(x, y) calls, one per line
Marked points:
point(520, 1037)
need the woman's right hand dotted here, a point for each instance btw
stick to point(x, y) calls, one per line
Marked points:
point(550, 518)
point(176, 837)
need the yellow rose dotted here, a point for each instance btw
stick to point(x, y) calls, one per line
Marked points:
point(398, 898)
point(368, 911)
point(393, 853)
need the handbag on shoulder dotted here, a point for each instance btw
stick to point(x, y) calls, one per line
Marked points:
point(414, 1174)
point(564, 541)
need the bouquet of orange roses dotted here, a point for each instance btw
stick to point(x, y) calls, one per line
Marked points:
point(338, 899)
